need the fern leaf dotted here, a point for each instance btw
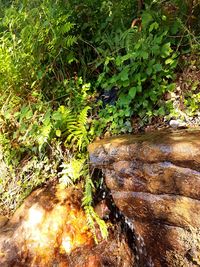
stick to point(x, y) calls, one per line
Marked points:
point(92, 217)
point(76, 130)
point(82, 118)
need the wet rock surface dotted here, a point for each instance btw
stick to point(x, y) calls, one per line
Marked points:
point(50, 229)
point(155, 181)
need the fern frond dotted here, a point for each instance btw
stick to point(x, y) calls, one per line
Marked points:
point(82, 118)
point(72, 171)
point(77, 136)
point(89, 186)
point(101, 223)
point(90, 221)
point(92, 217)
point(70, 40)
point(76, 130)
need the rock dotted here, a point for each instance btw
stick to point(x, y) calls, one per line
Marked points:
point(3, 220)
point(50, 229)
point(172, 210)
point(102, 209)
point(177, 124)
point(155, 182)
point(179, 147)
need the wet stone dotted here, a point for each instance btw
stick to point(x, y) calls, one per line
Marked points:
point(154, 179)
point(50, 229)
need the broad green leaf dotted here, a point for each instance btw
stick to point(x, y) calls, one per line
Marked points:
point(149, 71)
point(118, 61)
point(132, 92)
point(124, 75)
point(57, 116)
point(166, 50)
point(58, 133)
point(146, 18)
point(169, 61)
point(40, 74)
point(157, 67)
point(126, 83)
point(139, 88)
point(124, 99)
point(175, 27)
point(155, 49)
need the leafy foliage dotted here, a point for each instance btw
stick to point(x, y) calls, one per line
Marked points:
point(89, 210)
point(34, 40)
point(141, 68)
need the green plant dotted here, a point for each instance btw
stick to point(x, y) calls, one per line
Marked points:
point(141, 68)
point(31, 153)
point(186, 105)
point(76, 134)
point(35, 38)
point(92, 217)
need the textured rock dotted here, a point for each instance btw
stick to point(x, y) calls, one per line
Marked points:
point(3, 220)
point(155, 181)
point(50, 229)
point(180, 147)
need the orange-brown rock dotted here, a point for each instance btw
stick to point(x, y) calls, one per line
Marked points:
point(3, 220)
point(154, 179)
point(50, 229)
point(180, 147)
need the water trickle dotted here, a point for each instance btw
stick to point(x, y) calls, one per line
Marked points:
point(115, 216)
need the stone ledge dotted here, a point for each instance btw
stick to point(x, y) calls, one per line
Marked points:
point(179, 147)
point(155, 181)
